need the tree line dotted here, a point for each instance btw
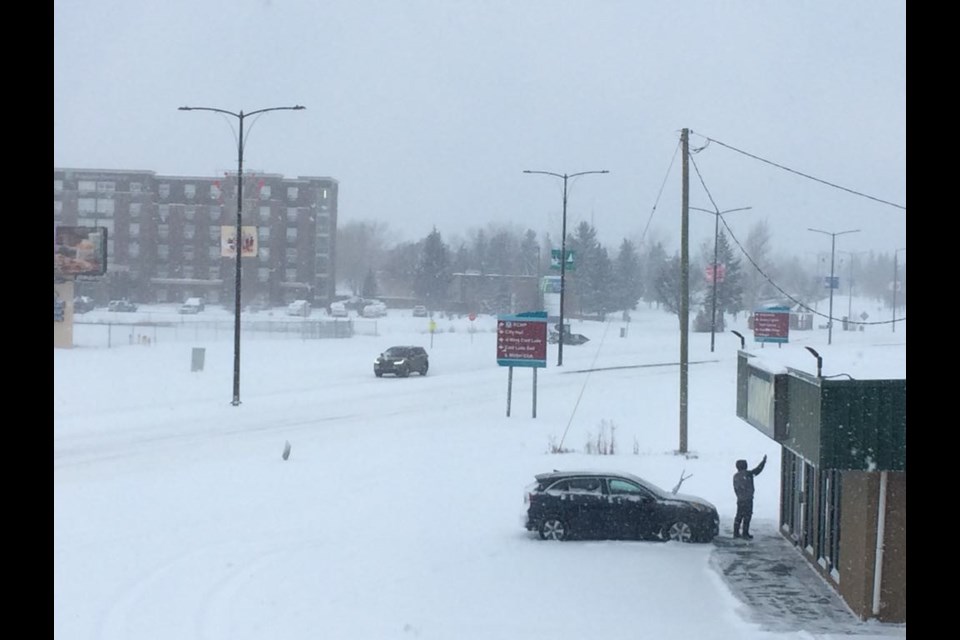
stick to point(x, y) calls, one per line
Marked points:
point(605, 280)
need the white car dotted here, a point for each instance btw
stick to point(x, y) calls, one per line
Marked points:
point(338, 310)
point(299, 308)
point(374, 310)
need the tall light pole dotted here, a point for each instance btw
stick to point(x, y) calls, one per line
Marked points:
point(852, 255)
point(893, 324)
point(563, 247)
point(833, 246)
point(716, 236)
point(238, 244)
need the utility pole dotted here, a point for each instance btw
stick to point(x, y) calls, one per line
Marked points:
point(684, 283)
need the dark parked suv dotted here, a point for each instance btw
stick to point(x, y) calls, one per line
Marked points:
point(603, 505)
point(402, 361)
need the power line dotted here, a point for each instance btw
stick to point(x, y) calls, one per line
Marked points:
point(800, 173)
point(660, 193)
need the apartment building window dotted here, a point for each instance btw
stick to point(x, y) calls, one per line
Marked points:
point(265, 214)
point(263, 234)
point(214, 252)
point(187, 271)
point(136, 187)
point(265, 192)
point(104, 207)
point(293, 193)
point(291, 275)
point(188, 254)
point(163, 211)
point(86, 186)
point(134, 229)
point(263, 274)
point(58, 186)
point(215, 192)
point(162, 271)
point(163, 252)
point(264, 253)
point(163, 231)
point(214, 234)
point(292, 214)
point(291, 234)
point(189, 212)
point(135, 209)
point(163, 190)
point(291, 256)
point(215, 212)
point(323, 194)
point(107, 187)
point(86, 205)
point(57, 208)
point(190, 191)
point(133, 249)
point(189, 231)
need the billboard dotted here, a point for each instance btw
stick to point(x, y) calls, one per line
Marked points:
point(228, 242)
point(79, 251)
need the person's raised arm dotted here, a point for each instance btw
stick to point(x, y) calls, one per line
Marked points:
point(760, 466)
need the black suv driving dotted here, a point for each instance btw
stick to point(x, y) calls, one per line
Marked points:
point(604, 505)
point(402, 361)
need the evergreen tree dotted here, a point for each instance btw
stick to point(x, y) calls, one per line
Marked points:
point(530, 254)
point(369, 285)
point(432, 276)
point(628, 282)
point(653, 263)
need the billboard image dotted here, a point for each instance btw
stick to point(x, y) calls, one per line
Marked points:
point(79, 251)
point(228, 242)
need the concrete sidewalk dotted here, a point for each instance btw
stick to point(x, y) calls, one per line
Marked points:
point(782, 592)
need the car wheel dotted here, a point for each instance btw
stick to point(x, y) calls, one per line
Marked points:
point(678, 531)
point(423, 371)
point(553, 529)
point(404, 371)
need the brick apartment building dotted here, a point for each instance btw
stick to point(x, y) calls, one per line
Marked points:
point(164, 235)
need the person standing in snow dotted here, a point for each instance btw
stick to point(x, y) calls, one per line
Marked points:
point(743, 487)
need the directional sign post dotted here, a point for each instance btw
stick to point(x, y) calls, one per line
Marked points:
point(522, 342)
point(771, 324)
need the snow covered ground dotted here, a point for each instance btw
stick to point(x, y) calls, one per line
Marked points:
point(399, 511)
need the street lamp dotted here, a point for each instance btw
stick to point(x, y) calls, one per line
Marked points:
point(893, 324)
point(852, 255)
point(563, 246)
point(833, 245)
point(716, 236)
point(237, 244)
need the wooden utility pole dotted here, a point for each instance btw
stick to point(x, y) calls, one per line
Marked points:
point(684, 284)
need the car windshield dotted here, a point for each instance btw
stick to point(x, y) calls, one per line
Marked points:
point(396, 352)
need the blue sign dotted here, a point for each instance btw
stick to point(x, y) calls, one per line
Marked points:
point(831, 282)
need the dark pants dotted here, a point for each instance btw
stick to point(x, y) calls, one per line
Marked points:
point(744, 513)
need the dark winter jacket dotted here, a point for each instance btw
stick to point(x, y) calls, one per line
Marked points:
point(743, 482)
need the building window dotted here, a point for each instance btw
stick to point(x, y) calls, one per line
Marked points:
point(86, 186)
point(163, 211)
point(293, 193)
point(190, 191)
point(265, 214)
point(215, 234)
point(58, 186)
point(265, 192)
point(189, 212)
point(133, 249)
point(163, 190)
point(189, 231)
point(292, 214)
point(214, 252)
point(323, 194)
point(57, 208)
point(163, 252)
point(215, 212)
point(215, 192)
point(291, 256)
point(135, 208)
point(187, 271)
point(162, 270)
point(291, 234)
point(134, 229)
point(163, 231)
point(86, 205)
point(136, 187)
point(104, 207)
point(107, 187)
point(263, 234)
point(263, 274)
point(188, 254)
point(291, 275)
point(264, 253)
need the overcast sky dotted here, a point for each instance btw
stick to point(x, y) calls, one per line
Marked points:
point(429, 111)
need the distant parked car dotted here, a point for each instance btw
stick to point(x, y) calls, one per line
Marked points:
point(338, 310)
point(402, 361)
point(299, 308)
point(192, 305)
point(121, 305)
point(82, 304)
point(602, 505)
point(374, 309)
point(420, 311)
